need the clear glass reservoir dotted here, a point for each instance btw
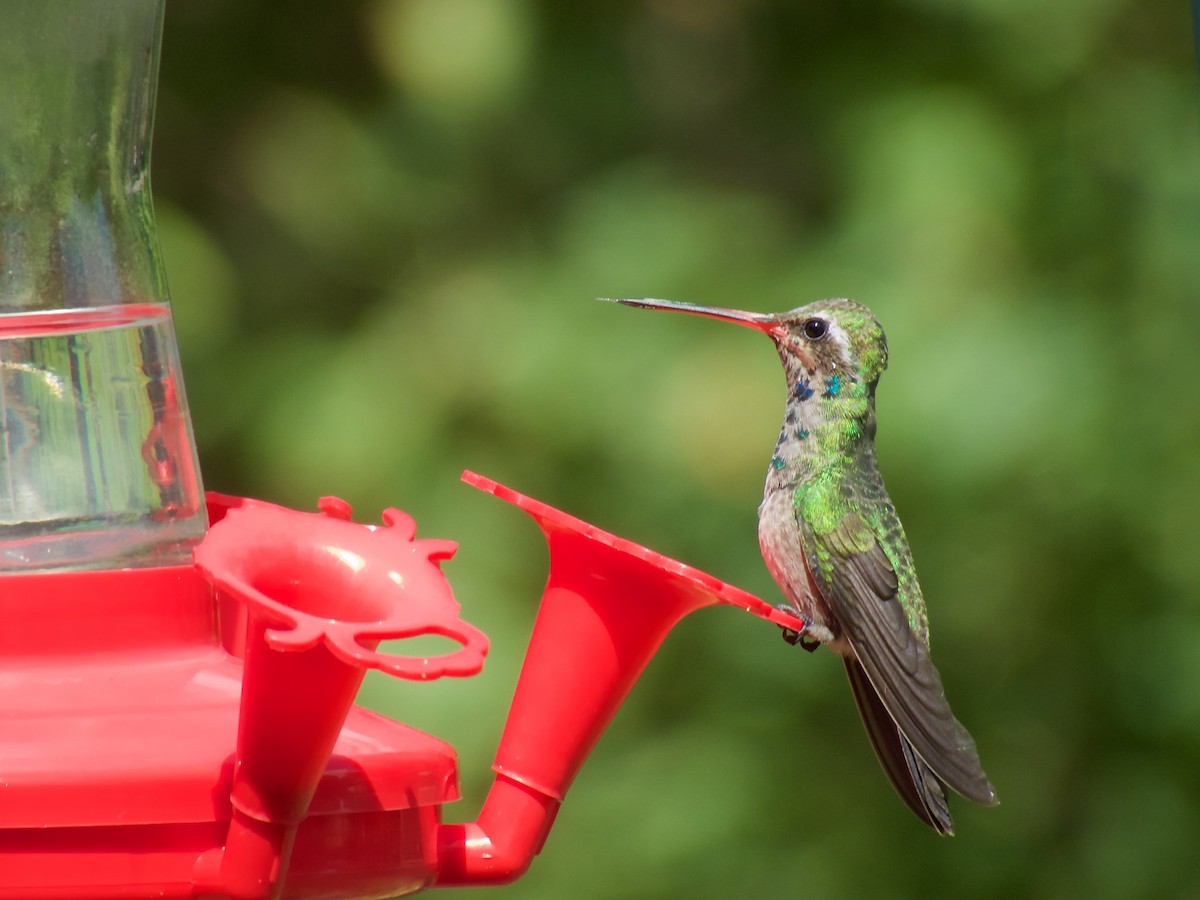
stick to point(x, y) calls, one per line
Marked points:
point(97, 462)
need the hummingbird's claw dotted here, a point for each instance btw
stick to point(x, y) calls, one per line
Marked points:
point(793, 637)
point(809, 643)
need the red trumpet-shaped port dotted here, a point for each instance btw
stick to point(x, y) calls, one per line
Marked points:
point(607, 606)
point(319, 594)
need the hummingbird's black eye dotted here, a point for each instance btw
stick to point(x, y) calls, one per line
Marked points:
point(815, 329)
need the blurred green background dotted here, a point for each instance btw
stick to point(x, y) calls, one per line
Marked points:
point(385, 224)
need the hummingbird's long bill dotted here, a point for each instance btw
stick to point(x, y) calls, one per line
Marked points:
point(764, 322)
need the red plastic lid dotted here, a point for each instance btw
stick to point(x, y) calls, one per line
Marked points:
point(132, 716)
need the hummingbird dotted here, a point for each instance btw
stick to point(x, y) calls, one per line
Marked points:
point(832, 541)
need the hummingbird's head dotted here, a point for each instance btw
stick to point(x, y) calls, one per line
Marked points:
point(831, 337)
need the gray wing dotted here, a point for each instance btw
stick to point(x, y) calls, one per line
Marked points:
point(860, 586)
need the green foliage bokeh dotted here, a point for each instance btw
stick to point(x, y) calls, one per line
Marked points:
point(385, 224)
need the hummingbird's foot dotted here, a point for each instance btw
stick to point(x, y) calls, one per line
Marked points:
point(793, 637)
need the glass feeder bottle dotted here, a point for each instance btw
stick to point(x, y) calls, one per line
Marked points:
point(97, 461)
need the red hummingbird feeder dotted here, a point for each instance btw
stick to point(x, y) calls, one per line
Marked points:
point(177, 677)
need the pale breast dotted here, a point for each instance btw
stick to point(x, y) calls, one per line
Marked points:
point(783, 551)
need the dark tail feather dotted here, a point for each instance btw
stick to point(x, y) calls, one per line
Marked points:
point(913, 780)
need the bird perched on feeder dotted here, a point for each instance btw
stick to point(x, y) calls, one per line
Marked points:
point(834, 544)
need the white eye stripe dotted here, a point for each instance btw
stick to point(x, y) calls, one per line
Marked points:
point(841, 339)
